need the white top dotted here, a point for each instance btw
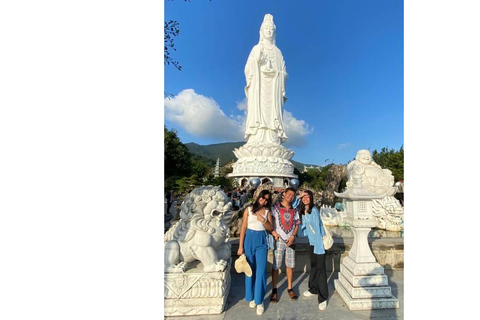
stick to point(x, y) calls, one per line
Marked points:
point(253, 223)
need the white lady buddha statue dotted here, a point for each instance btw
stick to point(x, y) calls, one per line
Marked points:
point(266, 76)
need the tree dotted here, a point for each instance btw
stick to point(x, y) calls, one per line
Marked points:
point(187, 184)
point(223, 182)
point(225, 170)
point(184, 171)
point(314, 178)
point(199, 168)
point(171, 31)
point(177, 156)
point(392, 160)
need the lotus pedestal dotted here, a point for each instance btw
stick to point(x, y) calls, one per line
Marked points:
point(268, 162)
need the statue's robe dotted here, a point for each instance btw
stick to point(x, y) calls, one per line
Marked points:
point(266, 97)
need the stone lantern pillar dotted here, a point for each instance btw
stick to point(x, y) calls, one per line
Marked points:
point(361, 281)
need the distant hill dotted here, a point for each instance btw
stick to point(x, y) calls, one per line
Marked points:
point(224, 151)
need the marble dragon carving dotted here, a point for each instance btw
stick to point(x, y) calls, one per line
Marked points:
point(389, 213)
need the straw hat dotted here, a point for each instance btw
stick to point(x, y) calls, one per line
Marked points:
point(241, 265)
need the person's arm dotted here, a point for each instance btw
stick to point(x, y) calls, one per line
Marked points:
point(243, 230)
point(297, 200)
point(302, 228)
point(296, 220)
point(291, 240)
point(316, 213)
point(266, 221)
point(274, 233)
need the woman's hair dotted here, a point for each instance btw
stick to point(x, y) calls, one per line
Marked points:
point(310, 206)
point(263, 193)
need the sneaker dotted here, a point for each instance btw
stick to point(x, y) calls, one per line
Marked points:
point(260, 309)
point(322, 306)
point(252, 304)
point(308, 294)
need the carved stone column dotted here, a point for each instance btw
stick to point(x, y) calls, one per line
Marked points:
point(361, 282)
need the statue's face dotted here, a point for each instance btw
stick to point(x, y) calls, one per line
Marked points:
point(364, 157)
point(268, 31)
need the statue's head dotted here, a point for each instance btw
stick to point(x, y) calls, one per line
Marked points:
point(364, 156)
point(268, 28)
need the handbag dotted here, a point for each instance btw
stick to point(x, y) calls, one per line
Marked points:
point(327, 239)
point(270, 241)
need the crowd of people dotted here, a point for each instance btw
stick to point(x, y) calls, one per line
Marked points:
point(240, 196)
point(295, 215)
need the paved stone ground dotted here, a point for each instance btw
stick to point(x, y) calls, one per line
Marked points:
point(304, 308)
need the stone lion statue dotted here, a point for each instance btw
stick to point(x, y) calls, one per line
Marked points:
point(201, 234)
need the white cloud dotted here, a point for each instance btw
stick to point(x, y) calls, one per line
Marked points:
point(242, 105)
point(296, 130)
point(203, 117)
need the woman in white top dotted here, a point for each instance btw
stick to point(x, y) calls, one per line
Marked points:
point(253, 242)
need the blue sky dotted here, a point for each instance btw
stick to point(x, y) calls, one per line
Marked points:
point(344, 60)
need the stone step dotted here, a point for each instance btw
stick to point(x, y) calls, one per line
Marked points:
point(363, 268)
point(364, 280)
point(365, 292)
point(365, 303)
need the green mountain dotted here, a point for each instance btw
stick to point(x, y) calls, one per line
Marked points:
point(224, 151)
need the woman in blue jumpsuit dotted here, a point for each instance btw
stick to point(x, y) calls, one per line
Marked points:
point(253, 242)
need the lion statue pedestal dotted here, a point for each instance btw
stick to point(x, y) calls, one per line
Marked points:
point(196, 292)
point(198, 255)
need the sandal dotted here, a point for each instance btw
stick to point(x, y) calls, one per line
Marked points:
point(273, 297)
point(292, 294)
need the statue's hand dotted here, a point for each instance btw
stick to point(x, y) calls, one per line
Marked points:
point(270, 72)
